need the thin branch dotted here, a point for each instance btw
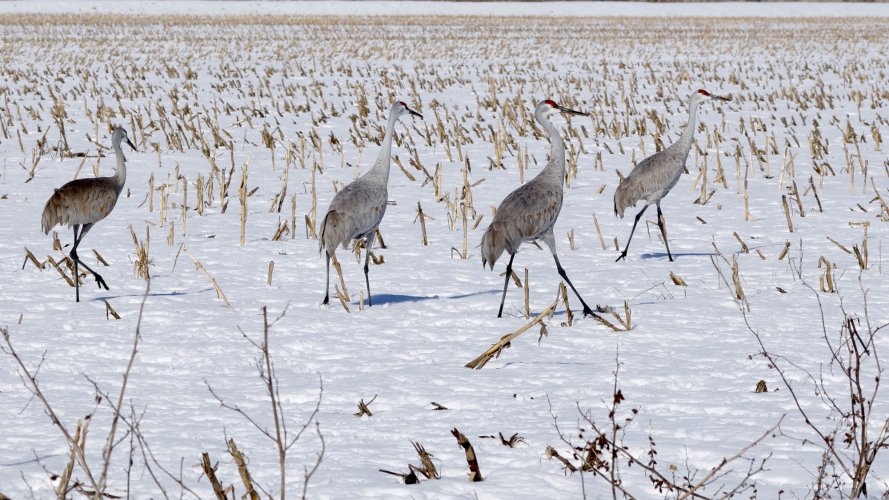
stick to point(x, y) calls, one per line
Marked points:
point(109, 445)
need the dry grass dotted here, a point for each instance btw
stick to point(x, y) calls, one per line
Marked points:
point(238, 85)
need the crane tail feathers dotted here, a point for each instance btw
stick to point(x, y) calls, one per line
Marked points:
point(624, 197)
point(333, 232)
point(52, 213)
point(493, 244)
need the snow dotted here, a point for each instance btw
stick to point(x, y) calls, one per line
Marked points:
point(689, 365)
point(414, 8)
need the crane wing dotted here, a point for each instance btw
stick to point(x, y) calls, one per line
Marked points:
point(354, 212)
point(81, 201)
point(525, 214)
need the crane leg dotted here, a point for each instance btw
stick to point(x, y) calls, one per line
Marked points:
point(551, 243)
point(327, 287)
point(506, 284)
point(79, 263)
point(586, 309)
point(83, 230)
point(76, 270)
point(368, 242)
point(662, 223)
point(623, 254)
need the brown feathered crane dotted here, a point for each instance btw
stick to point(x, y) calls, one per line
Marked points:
point(530, 211)
point(656, 175)
point(82, 202)
point(357, 210)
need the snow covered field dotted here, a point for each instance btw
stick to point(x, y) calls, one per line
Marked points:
point(284, 110)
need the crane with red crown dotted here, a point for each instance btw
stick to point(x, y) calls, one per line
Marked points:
point(656, 175)
point(530, 212)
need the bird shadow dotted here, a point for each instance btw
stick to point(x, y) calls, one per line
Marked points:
point(474, 294)
point(661, 255)
point(392, 298)
point(156, 294)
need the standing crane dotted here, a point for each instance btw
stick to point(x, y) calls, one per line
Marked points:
point(357, 209)
point(83, 202)
point(656, 175)
point(530, 212)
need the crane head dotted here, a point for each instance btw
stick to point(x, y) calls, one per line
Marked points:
point(550, 105)
point(119, 135)
point(402, 109)
point(704, 93)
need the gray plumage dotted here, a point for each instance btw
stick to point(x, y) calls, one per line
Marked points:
point(357, 210)
point(82, 202)
point(656, 175)
point(530, 212)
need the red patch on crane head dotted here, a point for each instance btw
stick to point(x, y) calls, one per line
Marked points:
point(703, 92)
point(551, 103)
point(402, 103)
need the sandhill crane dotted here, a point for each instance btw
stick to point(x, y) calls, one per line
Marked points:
point(656, 175)
point(357, 209)
point(83, 202)
point(530, 212)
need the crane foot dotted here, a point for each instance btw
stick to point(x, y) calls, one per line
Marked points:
point(101, 282)
point(589, 312)
point(622, 256)
point(326, 300)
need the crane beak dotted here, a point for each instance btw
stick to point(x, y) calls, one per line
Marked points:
point(414, 113)
point(131, 144)
point(568, 111)
point(722, 98)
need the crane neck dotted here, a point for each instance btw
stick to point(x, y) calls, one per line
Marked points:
point(380, 169)
point(555, 167)
point(688, 133)
point(120, 174)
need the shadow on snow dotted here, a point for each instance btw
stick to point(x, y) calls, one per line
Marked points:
point(391, 298)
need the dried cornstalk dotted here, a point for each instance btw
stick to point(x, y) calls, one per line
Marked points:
point(599, 232)
point(30, 256)
point(563, 292)
point(79, 443)
point(736, 279)
point(219, 292)
point(527, 296)
point(428, 469)
point(339, 272)
point(100, 258)
point(479, 362)
point(787, 213)
point(552, 453)
point(242, 469)
point(140, 265)
point(677, 280)
point(210, 472)
point(784, 250)
point(364, 408)
point(242, 197)
point(475, 474)
point(744, 247)
point(110, 310)
point(344, 299)
point(292, 216)
point(422, 217)
point(59, 269)
point(184, 204)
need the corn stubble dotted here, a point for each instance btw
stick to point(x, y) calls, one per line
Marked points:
point(207, 105)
